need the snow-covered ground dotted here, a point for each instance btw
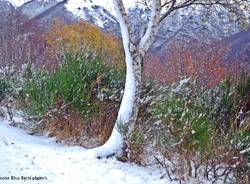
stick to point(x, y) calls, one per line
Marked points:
point(29, 159)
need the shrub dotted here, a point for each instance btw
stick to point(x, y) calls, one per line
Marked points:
point(84, 38)
point(4, 89)
point(193, 130)
point(183, 111)
point(79, 82)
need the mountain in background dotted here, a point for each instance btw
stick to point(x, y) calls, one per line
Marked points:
point(187, 24)
point(239, 49)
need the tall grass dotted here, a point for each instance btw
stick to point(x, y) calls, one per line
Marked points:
point(77, 82)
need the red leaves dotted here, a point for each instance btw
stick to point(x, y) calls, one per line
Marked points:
point(197, 60)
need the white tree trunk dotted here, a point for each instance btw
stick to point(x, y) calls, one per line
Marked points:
point(126, 111)
point(134, 57)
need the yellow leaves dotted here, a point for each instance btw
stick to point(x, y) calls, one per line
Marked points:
point(83, 37)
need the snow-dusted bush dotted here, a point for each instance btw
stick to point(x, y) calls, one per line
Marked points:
point(184, 110)
point(4, 88)
point(194, 131)
point(79, 83)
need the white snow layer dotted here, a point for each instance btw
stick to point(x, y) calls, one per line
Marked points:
point(75, 6)
point(18, 2)
point(28, 159)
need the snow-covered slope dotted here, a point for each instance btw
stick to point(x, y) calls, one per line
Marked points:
point(101, 13)
point(4, 6)
point(75, 5)
point(102, 16)
point(183, 24)
point(239, 49)
point(18, 3)
point(45, 11)
point(30, 157)
point(33, 8)
point(188, 23)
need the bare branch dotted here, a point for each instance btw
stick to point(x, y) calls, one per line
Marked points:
point(176, 6)
point(167, 3)
point(143, 2)
point(150, 34)
point(170, 9)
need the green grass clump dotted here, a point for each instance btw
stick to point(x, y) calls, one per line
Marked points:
point(198, 117)
point(4, 89)
point(182, 110)
point(76, 82)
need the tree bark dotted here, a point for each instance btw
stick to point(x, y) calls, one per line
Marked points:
point(129, 107)
point(137, 70)
point(134, 56)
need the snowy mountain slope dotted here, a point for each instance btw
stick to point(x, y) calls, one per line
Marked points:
point(239, 49)
point(18, 3)
point(187, 24)
point(102, 14)
point(74, 5)
point(80, 8)
point(37, 7)
point(97, 15)
point(29, 156)
point(4, 6)
point(47, 13)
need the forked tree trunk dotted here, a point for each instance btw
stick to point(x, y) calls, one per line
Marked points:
point(134, 56)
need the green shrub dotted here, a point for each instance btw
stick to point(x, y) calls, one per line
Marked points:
point(192, 130)
point(4, 89)
point(225, 107)
point(183, 111)
point(195, 114)
point(77, 82)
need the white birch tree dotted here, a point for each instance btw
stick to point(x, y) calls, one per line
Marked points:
point(135, 53)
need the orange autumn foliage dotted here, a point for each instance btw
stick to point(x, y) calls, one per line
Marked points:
point(201, 62)
point(84, 38)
